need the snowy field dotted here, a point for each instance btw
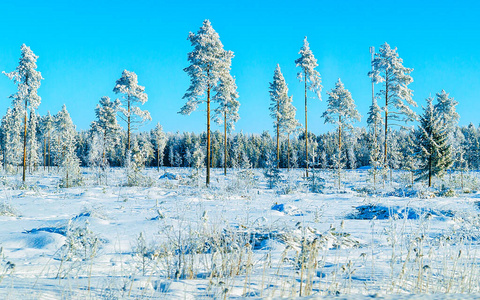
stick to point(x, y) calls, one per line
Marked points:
point(176, 239)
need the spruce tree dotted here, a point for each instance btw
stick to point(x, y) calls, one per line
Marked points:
point(278, 96)
point(432, 146)
point(66, 148)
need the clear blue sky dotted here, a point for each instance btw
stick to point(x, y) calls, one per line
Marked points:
point(85, 45)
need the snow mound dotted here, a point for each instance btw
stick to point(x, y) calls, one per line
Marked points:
point(170, 176)
point(287, 209)
point(378, 212)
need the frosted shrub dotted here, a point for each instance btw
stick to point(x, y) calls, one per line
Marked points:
point(134, 165)
point(81, 244)
point(143, 254)
point(8, 210)
point(315, 183)
point(271, 172)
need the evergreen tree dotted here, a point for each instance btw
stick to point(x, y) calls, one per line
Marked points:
point(32, 143)
point(375, 122)
point(227, 111)
point(313, 82)
point(11, 138)
point(342, 112)
point(445, 110)
point(46, 128)
point(388, 70)
point(209, 62)
point(278, 99)
point(106, 127)
point(133, 95)
point(159, 140)
point(27, 79)
point(432, 147)
point(66, 149)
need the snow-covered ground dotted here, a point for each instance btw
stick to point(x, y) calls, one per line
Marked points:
point(236, 239)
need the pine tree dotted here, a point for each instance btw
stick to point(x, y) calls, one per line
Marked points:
point(313, 82)
point(133, 95)
point(209, 62)
point(388, 70)
point(27, 79)
point(106, 126)
point(432, 147)
point(159, 141)
point(342, 112)
point(227, 111)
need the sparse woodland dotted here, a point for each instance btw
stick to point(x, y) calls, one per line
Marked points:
point(120, 212)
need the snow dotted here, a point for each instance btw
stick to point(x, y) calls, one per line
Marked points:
point(178, 239)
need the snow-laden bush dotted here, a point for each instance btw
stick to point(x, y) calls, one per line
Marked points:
point(8, 210)
point(271, 171)
point(315, 182)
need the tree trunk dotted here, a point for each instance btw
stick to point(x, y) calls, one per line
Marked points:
point(386, 129)
point(306, 128)
point(288, 152)
point(225, 143)
point(278, 137)
point(339, 150)
point(44, 153)
point(49, 156)
point(158, 157)
point(25, 144)
point(128, 124)
point(208, 136)
point(430, 171)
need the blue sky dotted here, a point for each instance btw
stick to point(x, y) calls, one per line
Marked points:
point(85, 45)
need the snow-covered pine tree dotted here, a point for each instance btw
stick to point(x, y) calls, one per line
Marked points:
point(27, 79)
point(65, 134)
point(208, 63)
point(227, 111)
point(32, 143)
point(106, 128)
point(159, 140)
point(388, 70)
point(432, 147)
point(278, 96)
point(313, 82)
point(341, 111)
point(133, 96)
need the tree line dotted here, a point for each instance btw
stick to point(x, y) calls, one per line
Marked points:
point(434, 147)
